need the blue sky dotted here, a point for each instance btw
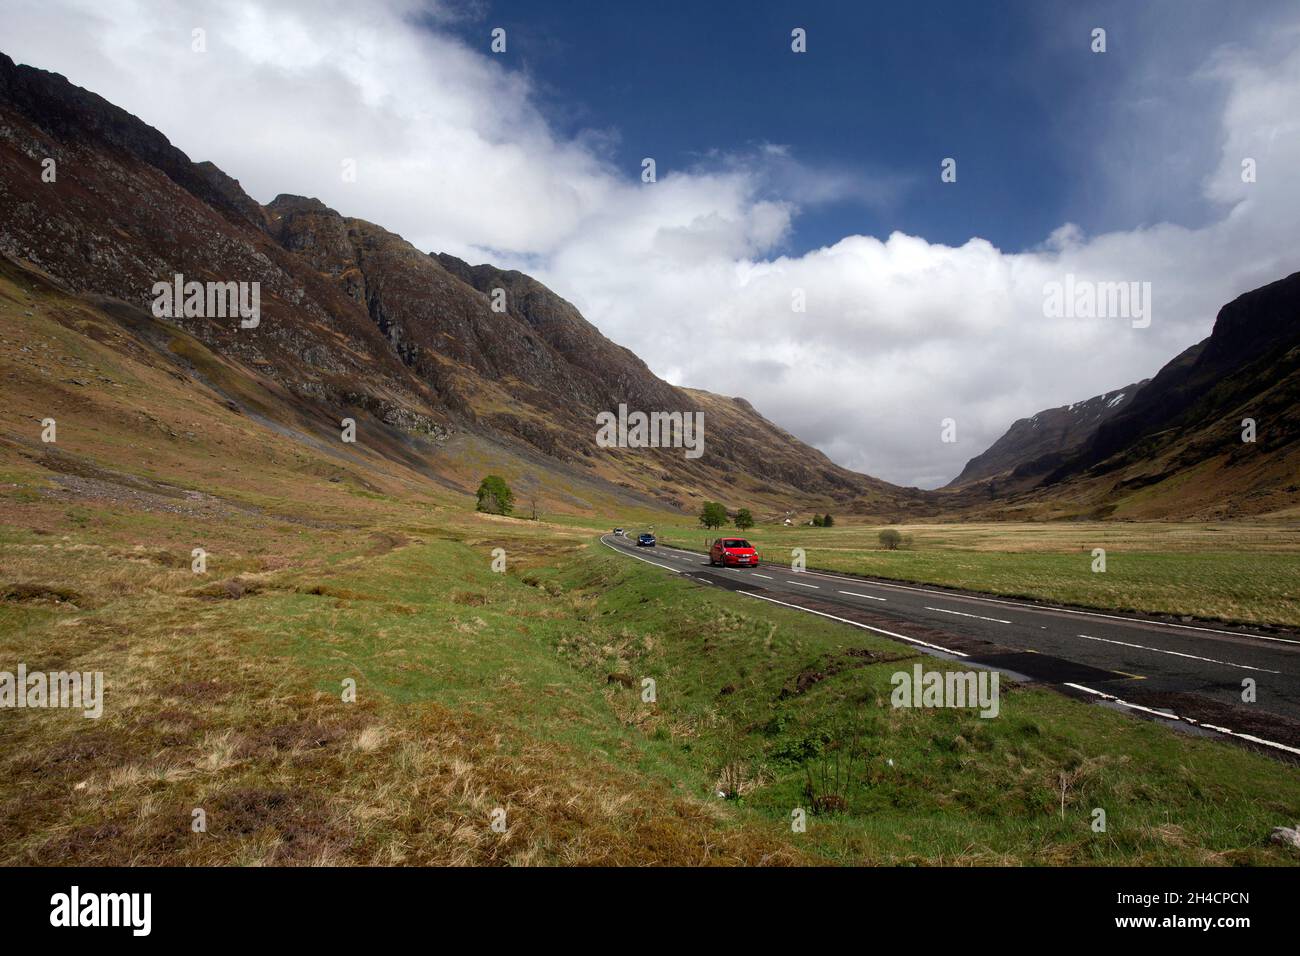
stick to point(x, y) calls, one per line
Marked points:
point(779, 173)
point(886, 91)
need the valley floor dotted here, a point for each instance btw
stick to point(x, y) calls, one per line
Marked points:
point(523, 692)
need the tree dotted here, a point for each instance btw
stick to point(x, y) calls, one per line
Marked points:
point(828, 522)
point(817, 521)
point(890, 539)
point(744, 519)
point(495, 496)
point(713, 514)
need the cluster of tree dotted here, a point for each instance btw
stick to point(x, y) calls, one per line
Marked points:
point(713, 514)
point(495, 496)
point(823, 521)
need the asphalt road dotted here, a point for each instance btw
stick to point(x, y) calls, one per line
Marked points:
point(1188, 675)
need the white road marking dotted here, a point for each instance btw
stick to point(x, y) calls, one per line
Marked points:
point(802, 585)
point(1160, 650)
point(867, 596)
point(1110, 697)
point(763, 576)
point(874, 582)
point(629, 554)
point(944, 610)
point(1187, 720)
point(865, 627)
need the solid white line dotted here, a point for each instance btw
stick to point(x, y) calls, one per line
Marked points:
point(1111, 697)
point(802, 585)
point(1160, 650)
point(866, 627)
point(944, 610)
point(875, 582)
point(628, 554)
point(1189, 720)
point(867, 596)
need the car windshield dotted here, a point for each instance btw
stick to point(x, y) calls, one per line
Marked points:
point(735, 543)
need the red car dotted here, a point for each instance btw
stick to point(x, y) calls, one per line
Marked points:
point(733, 551)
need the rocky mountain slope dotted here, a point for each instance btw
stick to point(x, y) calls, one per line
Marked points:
point(356, 322)
point(1036, 445)
point(1176, 447)
point(1181, 443)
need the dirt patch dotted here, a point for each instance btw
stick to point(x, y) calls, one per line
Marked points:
point(469, 598)
point(231, 590)
point(343, 594)
point(84, 842)
point(21, 592)
point(382, 542)
point(833, 664)
point(298, 736)
point(197, 690)
point(76, 754)
point(298, 820)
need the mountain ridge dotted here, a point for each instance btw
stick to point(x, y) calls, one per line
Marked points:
point(1031, 444)
point(355, 318)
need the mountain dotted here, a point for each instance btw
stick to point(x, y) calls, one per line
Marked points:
point(1171, 447)
point(1036, 445)
point(1178, 446)
point(355, 322)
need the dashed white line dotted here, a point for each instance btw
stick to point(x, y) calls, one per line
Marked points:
point(1052, 608)
point(1110, 697)
point(763, 576)
point(869, 597)
point(1161, 650)
point(978, 617)
point(802, 585)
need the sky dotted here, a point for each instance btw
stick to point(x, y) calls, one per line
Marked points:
point(782, 177)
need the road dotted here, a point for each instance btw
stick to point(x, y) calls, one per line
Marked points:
point(1188, 675)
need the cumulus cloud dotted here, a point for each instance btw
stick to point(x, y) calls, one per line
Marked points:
point(896, 334)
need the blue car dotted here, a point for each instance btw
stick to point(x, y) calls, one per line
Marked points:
point(645, 541)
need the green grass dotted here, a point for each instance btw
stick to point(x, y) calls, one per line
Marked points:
point(478, 690)
point(1246, 574)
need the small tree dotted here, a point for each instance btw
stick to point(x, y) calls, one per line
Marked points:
point(744, 520)
point(828, 522)
point(817, 521)
point(890, 539)
point(495, 496)
point(713, 515)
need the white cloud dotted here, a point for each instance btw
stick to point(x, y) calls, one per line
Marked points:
point(898, 334)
